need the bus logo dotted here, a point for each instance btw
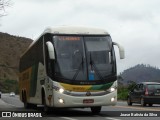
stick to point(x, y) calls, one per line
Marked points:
point(88, 94)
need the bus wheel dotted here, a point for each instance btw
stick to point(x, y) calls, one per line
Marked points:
point(96, 110)
point(26, 105)
point(46, 108)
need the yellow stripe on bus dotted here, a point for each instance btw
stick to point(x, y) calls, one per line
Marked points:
point(77, 88)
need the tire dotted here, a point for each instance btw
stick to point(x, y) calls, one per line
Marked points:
point(26, 105)
point(129, 101)
point(150, 104)
point(142, 102)
point(46, 109)
point(96, 110)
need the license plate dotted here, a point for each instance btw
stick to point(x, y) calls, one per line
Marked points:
point(86, 101)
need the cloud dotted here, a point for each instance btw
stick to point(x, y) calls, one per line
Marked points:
point(134, 24)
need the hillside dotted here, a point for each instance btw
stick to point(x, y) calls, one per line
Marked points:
point(140, 73)
point(11, 47)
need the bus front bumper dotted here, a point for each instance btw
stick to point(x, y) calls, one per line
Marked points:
point(63, 100)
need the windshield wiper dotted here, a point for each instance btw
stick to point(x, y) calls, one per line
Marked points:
point(78, 70)
point(95, 68)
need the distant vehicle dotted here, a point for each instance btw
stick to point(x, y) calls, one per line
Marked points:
point(12, 94)
point(145, 93)
point(0, 94)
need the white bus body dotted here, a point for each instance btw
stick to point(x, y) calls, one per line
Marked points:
point(70, 67)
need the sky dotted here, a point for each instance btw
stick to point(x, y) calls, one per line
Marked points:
point(135, 24)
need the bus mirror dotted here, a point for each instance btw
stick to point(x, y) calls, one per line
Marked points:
point(50, 50)
point(121, 50)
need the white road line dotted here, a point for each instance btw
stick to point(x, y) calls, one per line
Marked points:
point(68, 118)
point(13, 105)
point(109, 118)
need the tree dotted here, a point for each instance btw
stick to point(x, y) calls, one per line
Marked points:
point(3, 5)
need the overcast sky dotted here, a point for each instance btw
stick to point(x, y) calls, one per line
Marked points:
point(135, 24)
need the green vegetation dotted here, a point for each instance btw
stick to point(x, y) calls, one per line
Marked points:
point(7, 86)
point(122, 93)
point(123, 90)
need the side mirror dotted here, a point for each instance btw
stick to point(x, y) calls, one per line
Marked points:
point(121, 50)
point(50, 50)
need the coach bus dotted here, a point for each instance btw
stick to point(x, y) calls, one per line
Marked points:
point(70, 67)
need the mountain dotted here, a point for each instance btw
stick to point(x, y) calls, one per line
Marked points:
point(11, 47)
point(140, 73)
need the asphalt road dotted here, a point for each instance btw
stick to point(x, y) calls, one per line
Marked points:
point(8, 103)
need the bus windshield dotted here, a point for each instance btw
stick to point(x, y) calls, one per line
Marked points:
point(79, 56)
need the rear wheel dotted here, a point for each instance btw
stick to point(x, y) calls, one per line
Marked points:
point(129, 101)
point(150, 104)
point(142, 102)
point(26, 104)
point(96, 110)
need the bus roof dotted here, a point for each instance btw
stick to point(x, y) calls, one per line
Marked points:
point(75, 30)
point(70, 30)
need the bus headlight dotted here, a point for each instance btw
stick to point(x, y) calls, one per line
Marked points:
point(112, 99)
point(112, 89)
point(61, 101)
point(60, 90)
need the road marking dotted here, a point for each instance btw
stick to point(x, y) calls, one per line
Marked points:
point(137, 108)
point(68, 118)
point(109, 118)
point(14, 105)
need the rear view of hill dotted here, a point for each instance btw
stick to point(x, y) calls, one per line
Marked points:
point(11, 47)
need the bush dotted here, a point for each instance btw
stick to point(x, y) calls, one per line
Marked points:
point(8, 86)
point(124, 90)
point(122, 93)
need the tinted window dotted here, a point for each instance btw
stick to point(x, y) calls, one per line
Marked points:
point(77, 54)
point(33, 56)
point(141, 87)
point(153, 87)
point(136, 87)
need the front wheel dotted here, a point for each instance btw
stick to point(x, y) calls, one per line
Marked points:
point(96, 110)
point(46, 109)
point(129, 101)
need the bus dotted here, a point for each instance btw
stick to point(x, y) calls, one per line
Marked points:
point(70, 67)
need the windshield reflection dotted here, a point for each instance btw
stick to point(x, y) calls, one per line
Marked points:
point(74, 55)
